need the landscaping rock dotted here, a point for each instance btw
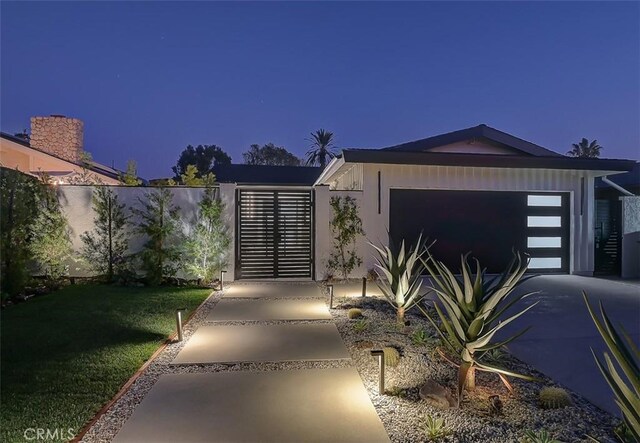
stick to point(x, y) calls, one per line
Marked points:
point(436, 395)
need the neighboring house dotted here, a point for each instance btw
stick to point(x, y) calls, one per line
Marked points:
point(55, 147)
point(617, 231)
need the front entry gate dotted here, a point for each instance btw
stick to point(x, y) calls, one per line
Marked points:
point(274, 233)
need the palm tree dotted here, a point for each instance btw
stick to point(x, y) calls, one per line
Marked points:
point(585, 149)
point(321, 148)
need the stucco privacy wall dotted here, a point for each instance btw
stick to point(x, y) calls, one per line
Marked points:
point(468, 178)
point(77, 206)
point(630, 237)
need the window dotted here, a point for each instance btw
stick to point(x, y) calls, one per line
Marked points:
point(544, 221)
point(545, 263)
point(544, 200)
point(544, 242)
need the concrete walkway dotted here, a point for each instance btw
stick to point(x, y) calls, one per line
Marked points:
point(266, 405)
point(559, 342)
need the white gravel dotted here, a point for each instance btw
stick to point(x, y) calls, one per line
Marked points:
point(402, 417)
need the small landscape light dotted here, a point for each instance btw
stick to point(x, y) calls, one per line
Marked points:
point(222, 279)
point(364, 286)
point(330, 296)
point(179, 322)
point(380, 356)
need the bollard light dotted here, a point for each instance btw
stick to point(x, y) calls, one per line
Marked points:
point(222, 279)
point(364, 286)
point(179, 312)
point(330, 296)
point(380, 356)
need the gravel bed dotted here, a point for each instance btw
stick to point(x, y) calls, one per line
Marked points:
point(473, 422)
point(402, 415)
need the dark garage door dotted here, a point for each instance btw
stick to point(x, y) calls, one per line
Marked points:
point(274, 234)
point(488, 224)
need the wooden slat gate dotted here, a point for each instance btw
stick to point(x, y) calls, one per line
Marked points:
point(274, 234)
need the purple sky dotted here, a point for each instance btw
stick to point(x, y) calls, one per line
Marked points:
point(149, 78)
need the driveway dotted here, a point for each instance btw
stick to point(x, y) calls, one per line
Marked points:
point(559, 342)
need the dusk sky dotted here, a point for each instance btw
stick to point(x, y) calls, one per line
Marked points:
point(150, 78)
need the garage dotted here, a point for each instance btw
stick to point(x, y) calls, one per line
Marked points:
point(489, 224)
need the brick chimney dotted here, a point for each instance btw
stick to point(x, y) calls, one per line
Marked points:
point(58, 135)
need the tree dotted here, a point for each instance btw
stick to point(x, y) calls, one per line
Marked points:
point(270, 154)
point(50, 244)
point(321, 148)
point(130, 177)
point(204, 157)
point(19, 196)
point(106, 246)
point(191, 178)
point(207, 247)
point(585, 149)
point(158, 220)
point(346, 226)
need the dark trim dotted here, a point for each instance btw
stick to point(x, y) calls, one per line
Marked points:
point(379, 192)
point(480, 132)
point(583, 192)
point(483, 160)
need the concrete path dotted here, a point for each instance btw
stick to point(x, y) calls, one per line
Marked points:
point(273, 290)
point(268, 309)
point(263, 343)
point(266, 405)
point(310, 405)
point(559, 342)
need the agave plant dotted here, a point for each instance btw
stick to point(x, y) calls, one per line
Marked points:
point(472, 310)
point(400, 275)
point(627, 356)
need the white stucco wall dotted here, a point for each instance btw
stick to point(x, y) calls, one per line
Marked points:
point(76, 202)
point(462, 178)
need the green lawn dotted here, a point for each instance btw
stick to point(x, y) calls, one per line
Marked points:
point(66, 354)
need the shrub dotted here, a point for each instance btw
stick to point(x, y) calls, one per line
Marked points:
point(391, 356)
point(361, 325)
point(346, 226)
point(627, 356)
point(420, 337)
point(207, 246)
point(400, 275)
point(472, 311)
point(541, 436)
point(159, 222)
point(554, 398)
point(106, 246)
point(50, 244)
point(19, 196)
point(354, 313)
point(434, 428)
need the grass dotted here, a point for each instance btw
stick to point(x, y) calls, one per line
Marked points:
point(65, 355)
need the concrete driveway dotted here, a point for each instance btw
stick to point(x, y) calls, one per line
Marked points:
point(559, 342)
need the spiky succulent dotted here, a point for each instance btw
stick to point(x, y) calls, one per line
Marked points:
point(434, 428)
point(391, 356)
point(541, 436)
point(472, 310)
point(354, 313)
point(627, 356)
point(399, 274)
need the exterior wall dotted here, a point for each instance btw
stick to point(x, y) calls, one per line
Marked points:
point(58, 135)
point(31, 161)
point(466, 178)
point(76, 202)
point(630, 237)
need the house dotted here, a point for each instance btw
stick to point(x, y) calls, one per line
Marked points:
point(479, 190)
point(55, 147)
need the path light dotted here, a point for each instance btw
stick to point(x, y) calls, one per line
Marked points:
point(364, 286)
point(380, 356)
point(222, 279)
point(330, 296)
point(179, 312)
